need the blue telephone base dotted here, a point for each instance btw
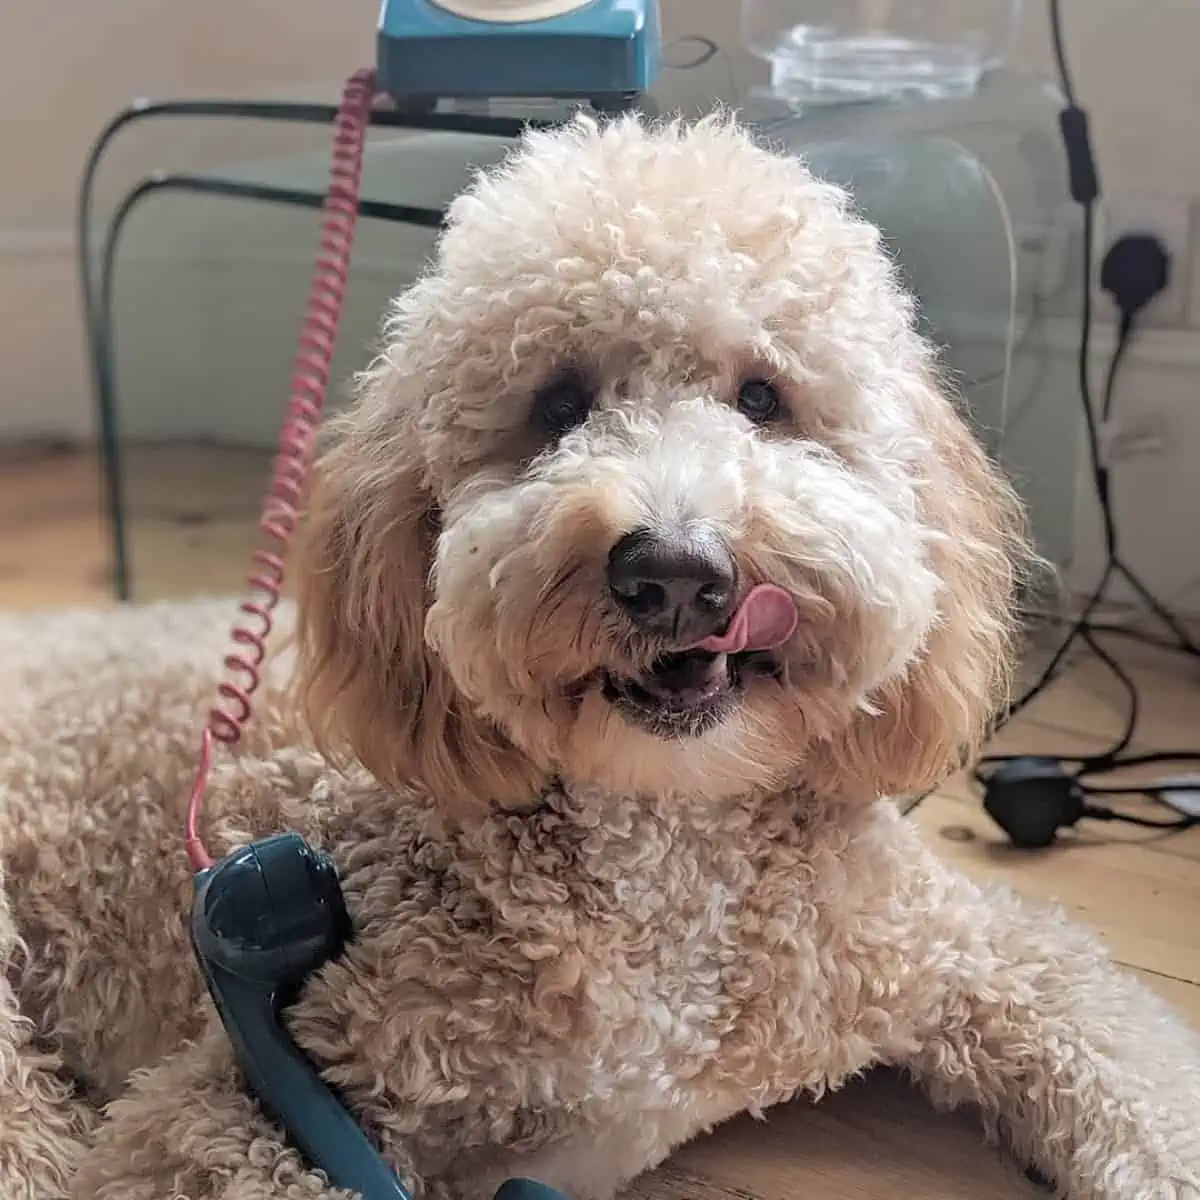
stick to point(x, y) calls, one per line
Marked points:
point(608, 53)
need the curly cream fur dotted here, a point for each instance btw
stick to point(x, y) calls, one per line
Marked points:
point(578, 945)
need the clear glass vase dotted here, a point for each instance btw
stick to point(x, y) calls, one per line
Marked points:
point(838, 51)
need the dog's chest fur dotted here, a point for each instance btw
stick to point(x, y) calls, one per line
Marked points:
point(598, 954)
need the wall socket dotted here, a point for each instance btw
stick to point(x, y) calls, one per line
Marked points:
point(1170, 218)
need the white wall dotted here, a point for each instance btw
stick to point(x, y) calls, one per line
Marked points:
point(64, 68)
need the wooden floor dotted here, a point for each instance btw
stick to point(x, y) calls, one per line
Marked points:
point(192, 516)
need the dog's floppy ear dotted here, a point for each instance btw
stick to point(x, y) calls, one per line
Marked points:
point(369, 686)
point(928, 723)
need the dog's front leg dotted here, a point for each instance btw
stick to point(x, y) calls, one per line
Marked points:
point(1089, 1076)
point(188, 1129)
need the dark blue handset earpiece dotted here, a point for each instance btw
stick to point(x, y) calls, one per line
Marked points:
point(264, 919)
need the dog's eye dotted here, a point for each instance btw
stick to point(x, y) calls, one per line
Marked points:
point(562, 404)
point(758, 400)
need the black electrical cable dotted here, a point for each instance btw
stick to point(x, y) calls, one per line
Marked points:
point(1130, 632)
point(1085, 191)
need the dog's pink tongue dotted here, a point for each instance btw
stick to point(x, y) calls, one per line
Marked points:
point(766, 619)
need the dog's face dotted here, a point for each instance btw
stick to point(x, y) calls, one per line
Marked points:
point(653, 489)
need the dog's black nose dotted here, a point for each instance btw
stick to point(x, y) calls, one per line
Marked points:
point(676, 584)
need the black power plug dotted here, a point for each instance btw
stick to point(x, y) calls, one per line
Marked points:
point(1135, 269)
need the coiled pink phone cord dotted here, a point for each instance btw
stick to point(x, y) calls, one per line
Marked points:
point(281, 510)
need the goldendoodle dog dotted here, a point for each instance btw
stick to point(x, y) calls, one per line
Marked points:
point(650, 561)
